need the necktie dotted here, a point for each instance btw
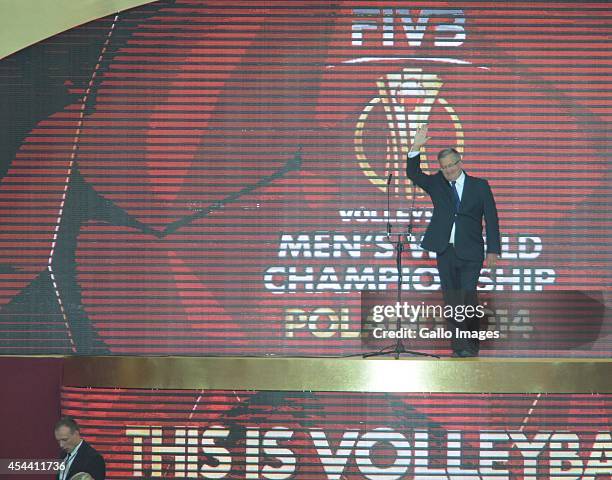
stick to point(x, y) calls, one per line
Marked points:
point(455, 195)
point(64, 472)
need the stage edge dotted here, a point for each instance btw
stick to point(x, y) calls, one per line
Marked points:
point(343, 375)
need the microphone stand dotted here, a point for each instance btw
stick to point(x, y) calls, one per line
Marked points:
point(399, 347)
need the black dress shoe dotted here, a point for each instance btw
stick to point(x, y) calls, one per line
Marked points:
point(464, 353)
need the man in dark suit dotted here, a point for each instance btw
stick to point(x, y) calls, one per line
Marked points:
point(455, 233)
point(80, 456)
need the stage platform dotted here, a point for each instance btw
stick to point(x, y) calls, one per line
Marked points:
point(474, 375)
point(344, 418)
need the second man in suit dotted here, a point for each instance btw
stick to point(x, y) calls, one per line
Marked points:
point(79, 455)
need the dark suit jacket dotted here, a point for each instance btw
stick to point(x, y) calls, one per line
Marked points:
point(477, 202)
point(87, 460)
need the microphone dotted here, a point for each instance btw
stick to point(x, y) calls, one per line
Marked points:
point(389, 206)
point(408, 234)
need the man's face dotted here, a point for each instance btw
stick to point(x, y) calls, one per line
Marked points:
point(450, 165)
point(67, 440)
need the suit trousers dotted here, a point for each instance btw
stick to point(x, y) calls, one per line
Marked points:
point(459, 280)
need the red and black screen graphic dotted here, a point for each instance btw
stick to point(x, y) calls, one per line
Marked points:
point(211, 178)
point(350, 436)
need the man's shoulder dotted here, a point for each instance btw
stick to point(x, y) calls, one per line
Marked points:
point(88, 450)
point(476, 180)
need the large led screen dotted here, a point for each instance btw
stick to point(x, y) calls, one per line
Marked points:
point(199, 178)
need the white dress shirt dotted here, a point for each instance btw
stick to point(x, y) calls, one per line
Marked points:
point(68, 461)
point(459, 186)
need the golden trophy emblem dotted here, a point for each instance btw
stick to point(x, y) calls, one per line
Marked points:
point(407, 99)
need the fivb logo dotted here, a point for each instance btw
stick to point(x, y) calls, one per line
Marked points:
point(371, 22)
point(407, 97)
